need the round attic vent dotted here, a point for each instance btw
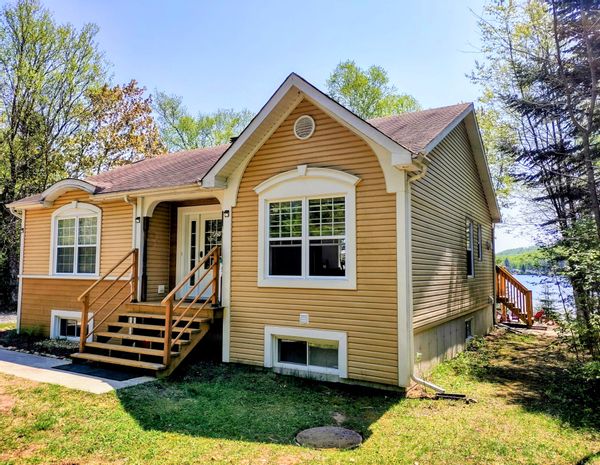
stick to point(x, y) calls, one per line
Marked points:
point(304, 127)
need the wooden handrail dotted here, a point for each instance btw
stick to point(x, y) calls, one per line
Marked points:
point(192, 272)
point(170, 308)
point(103, 277)
point(512, 291)
point(85, 296)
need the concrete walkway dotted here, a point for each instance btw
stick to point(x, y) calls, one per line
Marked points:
point(42, 370)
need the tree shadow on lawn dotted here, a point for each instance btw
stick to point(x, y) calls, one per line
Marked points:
point(536, 373)
point(251, 404)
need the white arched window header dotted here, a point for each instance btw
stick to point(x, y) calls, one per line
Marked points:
point(75, 240)
point(323, 254)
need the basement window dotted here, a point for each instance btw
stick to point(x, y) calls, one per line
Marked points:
point(468, 329)
point(66, 324)
point(317, 351)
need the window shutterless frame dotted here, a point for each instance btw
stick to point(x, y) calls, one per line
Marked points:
point(305, 184)
point(78, 214)
point(303, 234)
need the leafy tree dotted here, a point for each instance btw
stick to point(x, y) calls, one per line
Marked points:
point(58, 118)
point(117, 128)
point(541, 76)
point(45, 69)
point(368, 93)
point(182, 131)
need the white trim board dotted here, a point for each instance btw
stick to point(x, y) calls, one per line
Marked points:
point(271, 333)
point(55, 315)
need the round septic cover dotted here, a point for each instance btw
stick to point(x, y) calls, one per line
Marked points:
point(328, 437)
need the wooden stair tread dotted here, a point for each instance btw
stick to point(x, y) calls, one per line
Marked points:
point(136, 337)
point(154, 327)
point(129, 349)
point(158, 316)
point(119, 361)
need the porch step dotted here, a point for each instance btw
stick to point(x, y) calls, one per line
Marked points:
point(119, 361)
point(154, 327)
point(158, 316)
point(128, 349)
point(136, 337)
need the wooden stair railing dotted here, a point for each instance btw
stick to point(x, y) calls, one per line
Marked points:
point(512, 294)
point(212, 257)
point(132, 281)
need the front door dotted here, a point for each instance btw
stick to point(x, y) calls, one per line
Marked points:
point(199, 231)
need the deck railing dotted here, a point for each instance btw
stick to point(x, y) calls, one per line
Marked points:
point(512, 294)
point(88, 302)
point(171, 306)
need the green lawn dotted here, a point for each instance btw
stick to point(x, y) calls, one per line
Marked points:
point(6, 326)
point(236, 415)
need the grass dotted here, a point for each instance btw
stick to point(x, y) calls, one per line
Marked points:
point(239, 415)
point(7, 326)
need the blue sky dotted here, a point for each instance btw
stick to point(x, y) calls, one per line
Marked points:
point(225, 54)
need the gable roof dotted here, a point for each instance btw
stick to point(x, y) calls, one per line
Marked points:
point(417, 130)
point(168, 170)
point(405, 136)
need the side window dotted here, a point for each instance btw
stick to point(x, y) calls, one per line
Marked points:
point(479, 242)
point(75, 244)
point(470, 255)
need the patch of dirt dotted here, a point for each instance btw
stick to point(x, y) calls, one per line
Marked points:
point(6, 403)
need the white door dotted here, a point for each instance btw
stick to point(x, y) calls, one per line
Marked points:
point(199, 231)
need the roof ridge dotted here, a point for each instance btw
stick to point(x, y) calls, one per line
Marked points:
point(416, 112)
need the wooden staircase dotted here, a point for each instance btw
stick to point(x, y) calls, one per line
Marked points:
point(147, 335)
point(513, 298)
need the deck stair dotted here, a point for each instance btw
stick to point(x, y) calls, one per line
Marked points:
point(148, 335)
point(513, 298)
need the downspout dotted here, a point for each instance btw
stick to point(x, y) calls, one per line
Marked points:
point(421, 162)
point(21, 217)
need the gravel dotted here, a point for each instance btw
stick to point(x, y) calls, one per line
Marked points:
point(8, 317)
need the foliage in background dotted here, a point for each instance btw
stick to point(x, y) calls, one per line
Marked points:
point(180, 130)
point(59, 116)
point(523, 260)
point(368, 93)
point(117, 128)
point(540, 84)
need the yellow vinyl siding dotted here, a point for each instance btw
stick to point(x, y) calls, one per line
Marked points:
point(450, 192)
point(369, 313)
point(116, 239)
point(159, 242)
point(42, 295)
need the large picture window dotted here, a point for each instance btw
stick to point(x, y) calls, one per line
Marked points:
point(318, 225)
point(307, 227)
point(76, 240)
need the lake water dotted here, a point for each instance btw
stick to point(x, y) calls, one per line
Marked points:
point(538, 284)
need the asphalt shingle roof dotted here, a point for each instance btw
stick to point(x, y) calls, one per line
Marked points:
point(412, 130)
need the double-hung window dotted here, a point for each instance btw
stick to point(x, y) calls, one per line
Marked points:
point(307, 229)
point(76, 240)
point(307, 237)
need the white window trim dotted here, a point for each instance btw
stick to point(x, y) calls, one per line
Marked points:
point(472, 249)
point(301, 184)
point(479, 242)
point(74, 209)
point(56, 315)
point(272, 333)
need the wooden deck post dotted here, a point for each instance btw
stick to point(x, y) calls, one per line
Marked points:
point(168, 331)
point(215, 283)
point(84, 322)
point(134, 272)
point(529, 308)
